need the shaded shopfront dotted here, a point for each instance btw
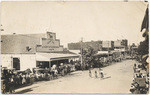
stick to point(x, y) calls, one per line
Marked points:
point(47, 60)
point(102, 57)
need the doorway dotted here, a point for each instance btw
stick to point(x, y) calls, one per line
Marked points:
point(16, 63)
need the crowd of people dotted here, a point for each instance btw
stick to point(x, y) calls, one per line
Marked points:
point(107, 60)
point(12, 79)
point(140, 84)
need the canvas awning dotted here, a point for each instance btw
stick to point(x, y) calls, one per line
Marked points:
point(115, 51)
point(54, 56)
point(75, 52)
point(101, 53)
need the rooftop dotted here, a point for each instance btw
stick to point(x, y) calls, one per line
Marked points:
point(20, 43)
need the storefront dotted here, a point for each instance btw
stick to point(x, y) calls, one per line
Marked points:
point(19, 61)
point(47, 60)
point(27, 51)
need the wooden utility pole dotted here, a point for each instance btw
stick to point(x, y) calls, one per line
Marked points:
point(81, 52)
point(50, 64)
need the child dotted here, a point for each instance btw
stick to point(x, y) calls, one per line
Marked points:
point(95, 74)
point(12, 84)
point(101, 73)
point(134, 68)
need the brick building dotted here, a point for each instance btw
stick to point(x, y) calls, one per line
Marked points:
point(107, 45)
point(96, 45)
point(121, 44)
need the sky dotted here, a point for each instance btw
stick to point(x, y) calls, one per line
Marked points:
point(73, 20)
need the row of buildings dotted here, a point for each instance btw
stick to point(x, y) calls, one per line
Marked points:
point(100, 45)
point(27, 51)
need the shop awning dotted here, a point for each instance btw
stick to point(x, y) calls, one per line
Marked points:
point(101, 53)
point(75, 52)
point(54, 56)
point(115, 51)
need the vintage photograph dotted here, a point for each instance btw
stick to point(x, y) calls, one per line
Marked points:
point(74, 47)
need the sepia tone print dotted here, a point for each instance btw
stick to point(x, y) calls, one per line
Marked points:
point(75, 47)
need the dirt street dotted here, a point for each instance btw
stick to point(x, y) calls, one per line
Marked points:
point(117, 79)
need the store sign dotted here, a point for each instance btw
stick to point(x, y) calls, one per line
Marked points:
point(48, 48)
point(50, 42)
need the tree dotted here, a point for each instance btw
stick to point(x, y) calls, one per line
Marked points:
point(143, 48)
point(87, 54)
